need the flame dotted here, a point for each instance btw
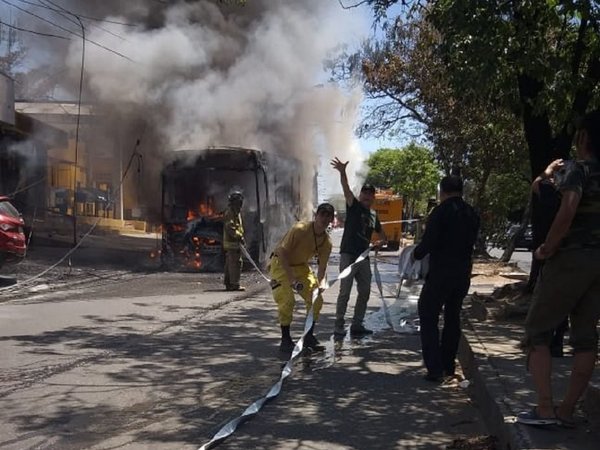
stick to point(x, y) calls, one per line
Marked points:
point(193, 256)
point(204, 209)
point(191, 253)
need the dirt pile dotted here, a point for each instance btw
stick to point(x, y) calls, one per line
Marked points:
point(508, 301)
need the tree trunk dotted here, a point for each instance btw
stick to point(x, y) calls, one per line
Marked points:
point(480, 243)
point(538, 134)
point(510, 247)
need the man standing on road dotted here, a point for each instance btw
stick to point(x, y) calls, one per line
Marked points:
point(290, 272)
point(569, 282)
point(449, 238)
point(233, 237)
point(360, 223)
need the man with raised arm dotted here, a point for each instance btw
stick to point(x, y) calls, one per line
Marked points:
point(360, 223)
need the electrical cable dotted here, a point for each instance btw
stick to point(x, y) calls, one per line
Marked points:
point(39, 33)
point(62, 11)
point(67, 30)
point(116, 22)
point(27, 187)
point(74, 248)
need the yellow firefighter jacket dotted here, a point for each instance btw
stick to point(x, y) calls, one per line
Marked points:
point(233, 230)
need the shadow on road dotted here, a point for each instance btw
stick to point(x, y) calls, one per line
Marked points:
point(178, 384)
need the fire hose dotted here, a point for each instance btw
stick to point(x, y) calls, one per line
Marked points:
point(386, 311)
point(229, 428)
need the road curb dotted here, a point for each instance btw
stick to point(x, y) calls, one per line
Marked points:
point(490, 392)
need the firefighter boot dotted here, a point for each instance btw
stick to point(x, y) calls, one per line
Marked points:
point(311, 342)
point(287, 345)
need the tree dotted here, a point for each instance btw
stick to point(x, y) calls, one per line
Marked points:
point(14, 50)
point(540, 59)
point(406, 77)
point(410, 172)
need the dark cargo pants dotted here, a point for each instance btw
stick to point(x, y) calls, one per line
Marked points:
point(445, 291)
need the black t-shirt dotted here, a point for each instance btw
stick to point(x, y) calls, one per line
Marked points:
point(358, 229)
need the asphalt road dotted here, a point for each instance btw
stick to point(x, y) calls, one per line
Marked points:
point(161, 360)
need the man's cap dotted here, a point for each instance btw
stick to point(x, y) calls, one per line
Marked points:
point(327, 208)
point(368, 188)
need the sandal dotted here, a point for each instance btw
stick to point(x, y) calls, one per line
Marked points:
point(533, 418)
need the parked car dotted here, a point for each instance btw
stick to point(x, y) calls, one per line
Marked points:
point(12, 237)
point(524, 241)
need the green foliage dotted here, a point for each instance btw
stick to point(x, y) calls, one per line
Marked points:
point(410, 172)
point(506, 195)
point(488, 45)
point(495, 85)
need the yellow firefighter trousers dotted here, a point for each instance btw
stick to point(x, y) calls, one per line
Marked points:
point(284, 295)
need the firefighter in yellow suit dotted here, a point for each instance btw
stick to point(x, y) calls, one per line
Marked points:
point(290, 272)
point(233, 237)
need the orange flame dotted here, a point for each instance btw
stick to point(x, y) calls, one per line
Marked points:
point(204, 209)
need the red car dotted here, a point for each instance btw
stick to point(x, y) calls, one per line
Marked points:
point(12, 237)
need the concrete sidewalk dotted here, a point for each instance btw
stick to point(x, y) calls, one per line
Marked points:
point(502, 387)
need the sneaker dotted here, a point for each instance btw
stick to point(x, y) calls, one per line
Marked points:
point(433, 378)
point(532, 418)
point(311, 343)
point(235, 288)
point(359, 331)
point(286, 346)
point(339, 331)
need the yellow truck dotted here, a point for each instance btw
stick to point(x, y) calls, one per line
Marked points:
point(389, 209)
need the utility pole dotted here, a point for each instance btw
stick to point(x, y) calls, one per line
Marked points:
point(77, 130)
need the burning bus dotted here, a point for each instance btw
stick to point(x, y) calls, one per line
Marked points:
point(277, 189)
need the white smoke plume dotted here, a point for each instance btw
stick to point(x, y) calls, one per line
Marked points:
point(206, 73)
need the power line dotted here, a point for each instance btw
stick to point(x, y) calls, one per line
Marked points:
point(67, 30)
point(78, 112)
point(95, 19)
point(58, 11)
point(34, 32)
point(42, 5)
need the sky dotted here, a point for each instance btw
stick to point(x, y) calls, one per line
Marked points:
point(370, 144)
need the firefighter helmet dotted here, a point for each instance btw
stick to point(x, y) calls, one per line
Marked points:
point(236, 196)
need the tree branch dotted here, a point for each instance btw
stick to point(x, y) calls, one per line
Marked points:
point(353, 6)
